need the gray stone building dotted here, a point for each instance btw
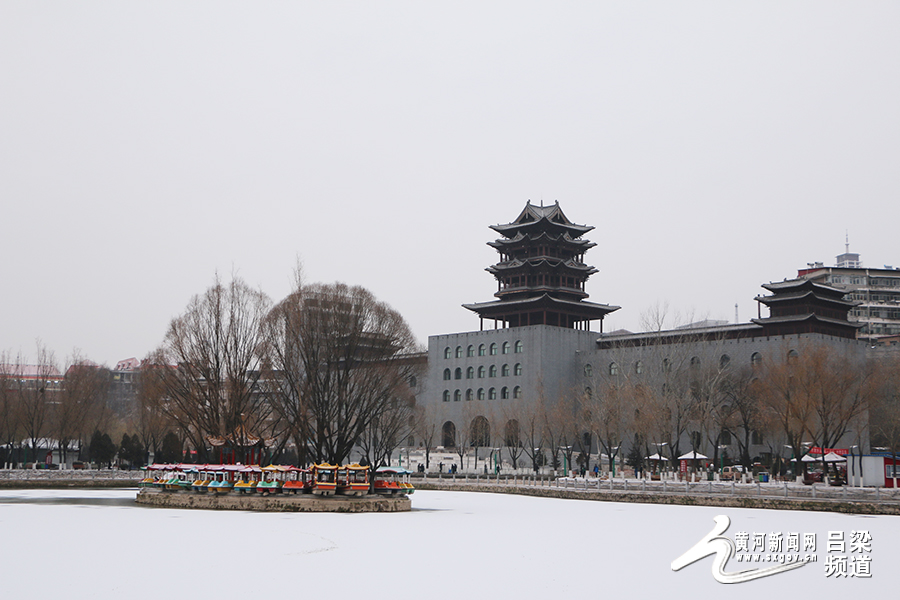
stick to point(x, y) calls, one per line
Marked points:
point(482, 387)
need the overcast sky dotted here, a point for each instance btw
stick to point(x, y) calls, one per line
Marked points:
point(715, 146)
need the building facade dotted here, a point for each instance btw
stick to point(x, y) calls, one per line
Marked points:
point(877, 292)
point(482, 385)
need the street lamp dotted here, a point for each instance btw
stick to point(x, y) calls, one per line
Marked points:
point(722, 448)
point(612, 461)
point(855, 475)
point(565, 450)
point(659, 445)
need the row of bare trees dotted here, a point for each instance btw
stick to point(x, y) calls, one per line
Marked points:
point(42, 407)
point(813, 394)
point(665, 400)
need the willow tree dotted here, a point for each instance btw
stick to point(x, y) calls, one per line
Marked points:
point(214, 354)
point(341, 362)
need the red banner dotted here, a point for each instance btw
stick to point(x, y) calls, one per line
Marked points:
point(838, 451)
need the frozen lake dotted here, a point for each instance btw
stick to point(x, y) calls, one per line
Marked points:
point(99, 544)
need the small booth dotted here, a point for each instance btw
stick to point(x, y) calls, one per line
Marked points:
point(873, 470)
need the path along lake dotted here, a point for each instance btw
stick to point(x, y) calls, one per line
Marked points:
point(99, 544)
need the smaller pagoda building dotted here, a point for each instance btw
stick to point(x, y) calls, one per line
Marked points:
point(804, 306)
point(541, 274)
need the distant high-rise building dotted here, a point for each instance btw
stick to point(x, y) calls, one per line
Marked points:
point(877, 292)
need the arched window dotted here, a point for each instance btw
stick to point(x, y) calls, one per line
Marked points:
point(517, 392)
point(446, 374)
point(412, 381)
point(480, 349)
point(447, 352)
point(492, 371)
point(695, 362)
point(446, 395)
point(481, 372)
point(469, 394)
point(613, 369)
point(517, 348)
point(481, 393)
point(588, 393)
point(504, 371)
point(755, 359)
point(724, 361)
point(457, 374)
point(480, 432)
point(504, 393)
point(667, 365)
point(493, 349)
point(511, 434)
point(639, 367)
point(492, 394)
point(505, 348)
point(517, 370)
point(756, 438)
point(470, 351)
point(793, 355)
point(448, 435)
point(470, 372)
point(459, 352)
point(588, 371)
point(457, 396)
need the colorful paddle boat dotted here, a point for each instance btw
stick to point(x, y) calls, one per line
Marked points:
point(204, 476)
point(297, 481)
point(271, 480)
point(389, 481)
point(353, 480)
point(249, 478)
point(324, 479)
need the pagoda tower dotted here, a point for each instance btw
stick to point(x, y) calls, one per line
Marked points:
point(541, 273)
point(803, 306)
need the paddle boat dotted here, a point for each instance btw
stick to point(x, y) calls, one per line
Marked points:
point(223, 479)
point(324, 479)
point(204, 476)
point(271, 480)
point(389, 481)
point(353, 480)
point(249, 479)
point(297, 481)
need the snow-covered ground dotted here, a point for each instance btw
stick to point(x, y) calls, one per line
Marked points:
point(99, 544)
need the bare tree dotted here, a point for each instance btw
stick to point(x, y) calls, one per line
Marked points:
point(608, 418)
point(884, 415)
point(38, 387)
point(531, 431)
point(508, 422)
point(388, 430)
point(81, 401)
point(742, 411)
point(338, 358)
point(425, 425)
point(10, 430)
point(216, 348)
point(784, 401)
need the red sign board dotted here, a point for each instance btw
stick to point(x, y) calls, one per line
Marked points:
point(838, 451)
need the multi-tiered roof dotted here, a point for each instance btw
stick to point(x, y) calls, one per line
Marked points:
point(541, 274)
point(804, 306)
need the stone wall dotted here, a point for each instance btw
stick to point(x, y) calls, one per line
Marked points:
point(272, 503)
